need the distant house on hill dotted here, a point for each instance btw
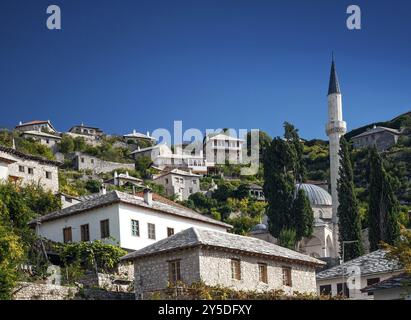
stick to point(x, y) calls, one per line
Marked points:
point(137, 136)
point(49, 140)
point(129, 221)
point(36, 125)
point(222, 147)
point(87, 130)
point(179, 183)
point(26, 169)
point(380, 137)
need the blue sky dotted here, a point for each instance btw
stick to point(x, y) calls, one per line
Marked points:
point(125, 64)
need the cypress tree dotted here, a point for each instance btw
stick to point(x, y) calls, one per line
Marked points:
point(283, 169)
point(383, 206)
point(349, 222)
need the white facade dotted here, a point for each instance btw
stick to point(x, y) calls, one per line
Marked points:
point(120, 216)
point(4, 169)
point(221, 147)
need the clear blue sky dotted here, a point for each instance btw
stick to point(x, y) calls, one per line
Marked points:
point(138, 64)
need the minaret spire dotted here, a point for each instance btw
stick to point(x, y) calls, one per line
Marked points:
point(336, 127)
point(334, 85)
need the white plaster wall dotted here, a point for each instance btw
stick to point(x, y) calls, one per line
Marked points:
point(4, 171)
point(53, 230)
point(161, 220)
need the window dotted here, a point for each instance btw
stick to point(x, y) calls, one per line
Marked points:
point(174, 274)
point(151, 231)
point(30, 170)
point(190, 190)
point(325, 289)
point(21, 169)
point(104, 228)
point(67, 235)
point(370, 282)
point(85, 232)
point(345, 293)
point(82, 160)
point(48, 175)
point(166, 181)
point(47, 141)
point(262, 270)
point(135, 228)
point(235, 269)
point(92, 161)
point(194, 181)
point(287, 276)
point(170, 232)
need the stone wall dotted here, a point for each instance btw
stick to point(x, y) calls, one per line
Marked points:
point(215, 269)
point(38, 291)
point(152, 274)
point(87, 162)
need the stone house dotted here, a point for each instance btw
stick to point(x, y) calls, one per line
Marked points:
point(36, 125)
point(222, 147)
point(256, 192)
point(395, 288)
point(224, 259)
point(179, 183)
point(83, 161)
point(49, 140)
point(380, 137)
point(86, 130)
point(28, 169)
point(4, 168)
point(129, 221)
point(350, 277)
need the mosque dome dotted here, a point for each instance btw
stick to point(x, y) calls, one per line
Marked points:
point(259, 228)
point(317, 196)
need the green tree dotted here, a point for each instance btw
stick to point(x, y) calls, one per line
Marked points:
point(283, 171)
point(288, 238)
point(383, 206)
point(11, 253)
point(142, 165)
point(66, 144)
point(349, 220)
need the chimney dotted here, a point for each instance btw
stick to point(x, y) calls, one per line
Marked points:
point(103, 189)
point(20, 123)
point(115, 174)
point(148, 133)
point(148, 196)
point(134, 131)
point(14, 144)
point(126, 173)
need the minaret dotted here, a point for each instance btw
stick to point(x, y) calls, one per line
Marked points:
point(336, 127)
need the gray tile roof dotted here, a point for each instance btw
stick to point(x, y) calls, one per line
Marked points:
point(194, 237)
point(112, 197)
point(400, 280)
point(22, 155)
point(371, 263)
point(375, 130)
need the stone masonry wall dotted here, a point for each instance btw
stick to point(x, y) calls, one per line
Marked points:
point(215, 269)
point(38, 175)
point(151, 273)
point(86, 162)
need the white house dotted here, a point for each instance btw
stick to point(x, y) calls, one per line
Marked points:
point(36, 125)
point(221, 259)
point(137, 136)
point(49, 140)
point(162, 156)
point(351, 276)
point(130, 221)
point(221, 147)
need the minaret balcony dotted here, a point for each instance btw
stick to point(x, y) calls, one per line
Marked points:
point(336, 127)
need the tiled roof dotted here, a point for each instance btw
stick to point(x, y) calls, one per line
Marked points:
point(371, 263)
point(19, 154)
point(138, 135)
point(375, 130)
point(177, 172)
point(33, 122)
point(400, 280)
point(102, 200)
point(194, 237)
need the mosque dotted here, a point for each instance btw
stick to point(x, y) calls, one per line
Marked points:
point(324, 242)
